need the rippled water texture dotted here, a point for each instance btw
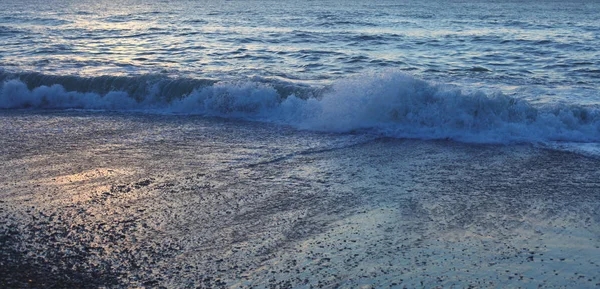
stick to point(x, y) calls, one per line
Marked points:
point(543, 51)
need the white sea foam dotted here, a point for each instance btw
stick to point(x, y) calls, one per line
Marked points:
point(390, 104)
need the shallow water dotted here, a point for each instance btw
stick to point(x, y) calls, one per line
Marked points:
point(178, 201)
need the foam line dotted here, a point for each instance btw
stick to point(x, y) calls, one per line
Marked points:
point(390, 104)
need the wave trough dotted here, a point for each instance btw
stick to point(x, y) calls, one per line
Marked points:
point(390, 104)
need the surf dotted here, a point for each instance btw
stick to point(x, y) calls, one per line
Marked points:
point(388, 103)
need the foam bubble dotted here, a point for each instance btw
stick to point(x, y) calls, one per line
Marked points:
point(389, 104)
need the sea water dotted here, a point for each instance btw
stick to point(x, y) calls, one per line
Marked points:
point(474, 71)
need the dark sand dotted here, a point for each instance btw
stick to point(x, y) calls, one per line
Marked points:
point(111, 200)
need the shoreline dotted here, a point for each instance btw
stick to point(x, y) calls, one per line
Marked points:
point(124, 201)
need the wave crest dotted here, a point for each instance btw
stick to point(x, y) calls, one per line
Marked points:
point(390, 104)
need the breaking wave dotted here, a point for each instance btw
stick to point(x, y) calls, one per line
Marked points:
point(389, 104)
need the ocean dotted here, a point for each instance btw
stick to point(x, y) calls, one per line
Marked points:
point(299, 144)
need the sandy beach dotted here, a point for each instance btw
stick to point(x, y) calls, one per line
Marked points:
point(134, 200)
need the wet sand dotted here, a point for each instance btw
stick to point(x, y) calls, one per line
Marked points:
point(114, 200)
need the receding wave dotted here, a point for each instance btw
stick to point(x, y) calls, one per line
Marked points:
point(389, 103)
